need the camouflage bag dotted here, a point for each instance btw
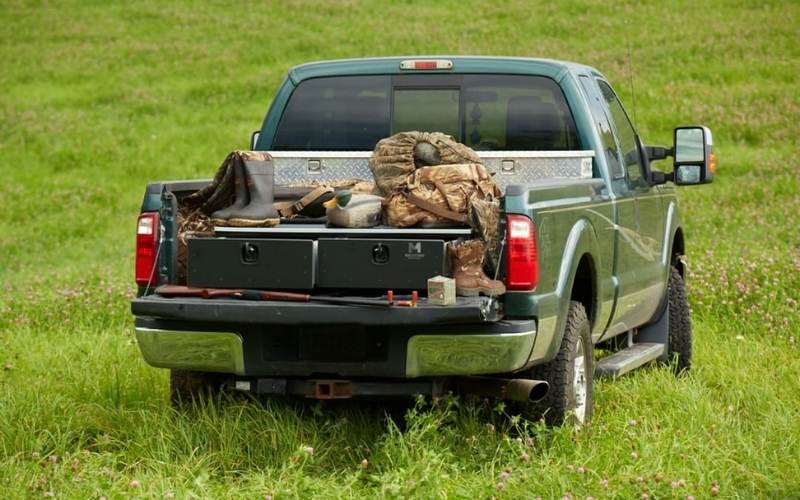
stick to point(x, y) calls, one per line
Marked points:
point(439, 195)
point(395, 157)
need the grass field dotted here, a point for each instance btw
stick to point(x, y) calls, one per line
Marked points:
point(98, 99)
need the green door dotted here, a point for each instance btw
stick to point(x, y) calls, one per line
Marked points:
point(640, 226)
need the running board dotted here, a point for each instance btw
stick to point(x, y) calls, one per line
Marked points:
point(628, 359)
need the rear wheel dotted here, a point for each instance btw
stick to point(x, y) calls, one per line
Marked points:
point(187, 386)
point(570, 375)
point(679, 346)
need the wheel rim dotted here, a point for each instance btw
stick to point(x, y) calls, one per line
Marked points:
point(579, 384)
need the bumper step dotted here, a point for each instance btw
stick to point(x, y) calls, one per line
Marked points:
point(628, 359)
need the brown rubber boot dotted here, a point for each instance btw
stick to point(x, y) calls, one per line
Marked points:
point(241, 199)
point(466, 260)
point(260, 181)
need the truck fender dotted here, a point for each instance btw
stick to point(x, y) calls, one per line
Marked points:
point(671, 229)
point(582, 240)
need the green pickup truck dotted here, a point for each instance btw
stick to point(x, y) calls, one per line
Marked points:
point(591, 246)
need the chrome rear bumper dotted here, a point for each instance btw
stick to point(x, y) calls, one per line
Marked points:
point(470, 354)
point(187, 350)
point(427, 355)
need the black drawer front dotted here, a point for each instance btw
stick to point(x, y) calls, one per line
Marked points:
point(251, 263)
point(374, 263)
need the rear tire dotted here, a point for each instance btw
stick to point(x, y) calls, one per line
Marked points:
point(679, 346)
point(570, 375)
point(186, 387)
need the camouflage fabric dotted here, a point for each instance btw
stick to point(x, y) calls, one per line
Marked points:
point(395, 157)
point(485, 218)
point(192, 223)
point(439, 195)
point(355, 185)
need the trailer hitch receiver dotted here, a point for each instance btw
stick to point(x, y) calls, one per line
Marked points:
point(332, 389)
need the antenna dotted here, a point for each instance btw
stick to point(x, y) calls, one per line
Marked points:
point(630, 80)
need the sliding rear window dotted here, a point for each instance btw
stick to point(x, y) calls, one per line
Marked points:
point(486, 112)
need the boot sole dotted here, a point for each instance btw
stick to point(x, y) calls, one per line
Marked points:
point(247, 222)
point(222, 215)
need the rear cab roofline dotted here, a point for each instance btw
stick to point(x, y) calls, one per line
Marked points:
point(461, 64)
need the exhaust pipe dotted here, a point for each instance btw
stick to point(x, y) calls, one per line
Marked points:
point(516, 389)
point(520, 389)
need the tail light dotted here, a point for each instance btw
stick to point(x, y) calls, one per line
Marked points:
point(522, 259)
point(147, 235)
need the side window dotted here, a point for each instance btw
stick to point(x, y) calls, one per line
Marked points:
point(600, 118)
point(626, 135)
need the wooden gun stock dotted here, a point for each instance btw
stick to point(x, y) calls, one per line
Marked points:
point(265, 295)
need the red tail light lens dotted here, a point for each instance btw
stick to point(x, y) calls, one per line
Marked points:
point(147, 235)
point(522, 259)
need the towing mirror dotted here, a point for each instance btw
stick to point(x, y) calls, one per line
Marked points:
point(254, 139)
point(695, 161)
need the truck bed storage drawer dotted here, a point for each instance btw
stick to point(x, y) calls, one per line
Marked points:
point(378, 263)
point(250, 263)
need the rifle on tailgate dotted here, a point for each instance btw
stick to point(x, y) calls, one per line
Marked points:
point(268, 295)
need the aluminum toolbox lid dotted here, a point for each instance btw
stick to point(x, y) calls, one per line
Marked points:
point(509, 167)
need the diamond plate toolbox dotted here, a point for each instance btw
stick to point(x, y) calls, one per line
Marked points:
point(509, 167)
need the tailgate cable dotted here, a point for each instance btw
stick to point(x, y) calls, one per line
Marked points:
point(155, 260)
point(489, 306)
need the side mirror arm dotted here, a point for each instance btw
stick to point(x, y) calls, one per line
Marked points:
point(658, 177)
point(658, 152)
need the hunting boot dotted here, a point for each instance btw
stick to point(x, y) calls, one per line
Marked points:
point(259, 178)
point(241, 198)
point(466, 260)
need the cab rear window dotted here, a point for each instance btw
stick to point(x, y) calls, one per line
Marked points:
point(486, 112)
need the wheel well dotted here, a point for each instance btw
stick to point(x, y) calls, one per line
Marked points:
point(583, 287)
point(678, 251)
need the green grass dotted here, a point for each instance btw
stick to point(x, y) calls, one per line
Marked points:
point(96, 100)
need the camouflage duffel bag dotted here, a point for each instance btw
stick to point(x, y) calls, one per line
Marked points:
point(395, 157)
point(439, 196)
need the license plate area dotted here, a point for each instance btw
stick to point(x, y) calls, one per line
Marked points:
point(334, 344)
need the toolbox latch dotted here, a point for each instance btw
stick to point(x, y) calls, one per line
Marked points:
point(508, 166)
point(314, 167)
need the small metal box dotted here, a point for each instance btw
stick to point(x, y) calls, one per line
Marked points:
point(441, 291)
